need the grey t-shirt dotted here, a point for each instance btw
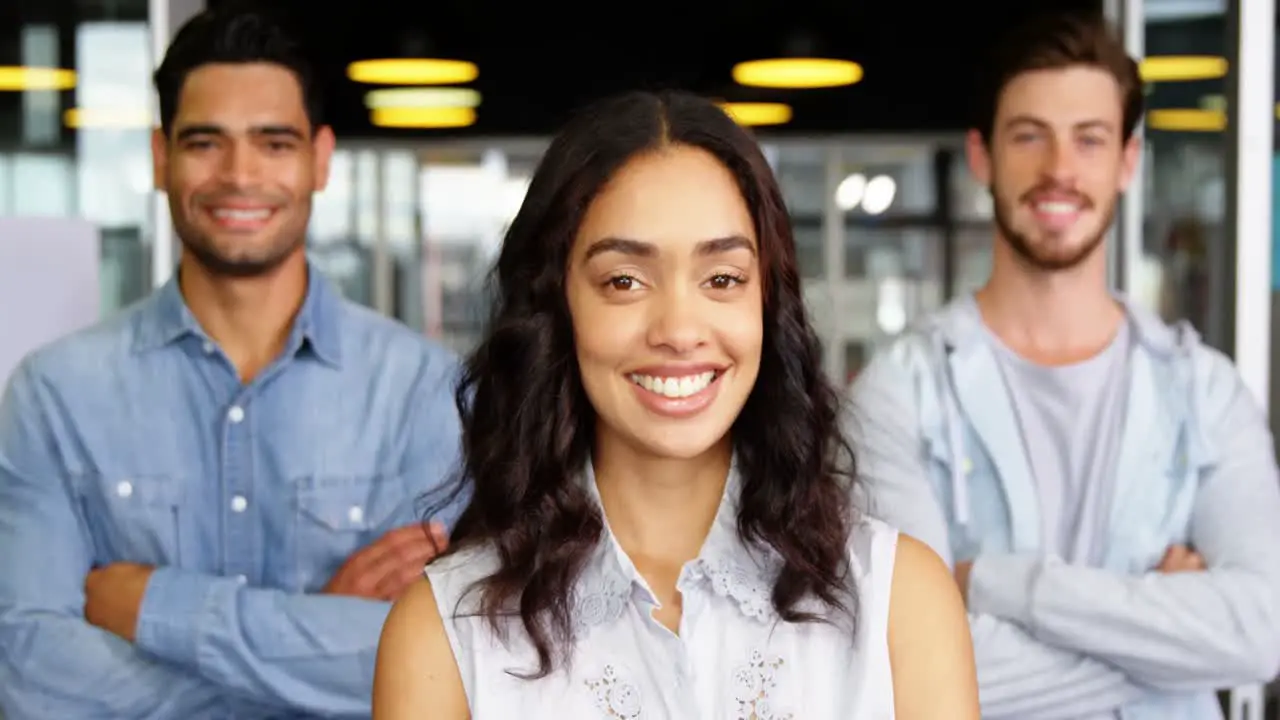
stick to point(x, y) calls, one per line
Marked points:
point(1072, 418)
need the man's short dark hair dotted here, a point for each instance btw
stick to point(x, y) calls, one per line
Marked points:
point(233, 32)
point(1055, 41)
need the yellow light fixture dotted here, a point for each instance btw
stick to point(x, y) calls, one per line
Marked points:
point(758, 113)
point(417, 97)
point(18, 78)
point(423, 117)
point(797, 73)
point(412, 71)
point(1187, 120)
point(114, 118)
point(1182, 68)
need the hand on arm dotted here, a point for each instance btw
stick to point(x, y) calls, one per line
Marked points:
point(381, 571)
point(392, 563)
point(115, 600)
point(1178, 558)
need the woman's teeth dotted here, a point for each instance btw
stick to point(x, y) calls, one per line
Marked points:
point(674, 387)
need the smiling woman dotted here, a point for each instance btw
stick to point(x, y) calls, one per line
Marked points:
point(661, 519)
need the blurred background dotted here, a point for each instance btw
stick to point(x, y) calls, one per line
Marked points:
point(443, 108)
point(434, 157)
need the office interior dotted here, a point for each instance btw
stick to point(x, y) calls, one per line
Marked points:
point(889, 223)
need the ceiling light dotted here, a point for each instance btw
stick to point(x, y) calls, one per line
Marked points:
point(758, 113)
point(17, 78)
point(797, 73)
point(421, 98)
point(115, 118)
point(878, 195)
point(1182, 68)
point(1187, 120)
point(423, 117)
point(850, 191)
point(412, 71)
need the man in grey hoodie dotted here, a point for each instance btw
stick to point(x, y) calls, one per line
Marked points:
point(1102, 483)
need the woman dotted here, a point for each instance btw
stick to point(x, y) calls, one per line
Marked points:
point(661, 523)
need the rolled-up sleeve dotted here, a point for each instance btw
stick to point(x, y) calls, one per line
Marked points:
point(311, 653)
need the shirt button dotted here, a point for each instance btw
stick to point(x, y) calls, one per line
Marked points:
point(356, 514)
point(208, 348)
point(239, 503)
point(235, 414)
point(124, 489)
point(242, 579)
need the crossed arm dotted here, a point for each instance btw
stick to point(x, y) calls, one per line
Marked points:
point(1044, 633)
point(154, 642)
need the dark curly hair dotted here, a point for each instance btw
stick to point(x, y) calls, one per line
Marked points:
point(528, 426)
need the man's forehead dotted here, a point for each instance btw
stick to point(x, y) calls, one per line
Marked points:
point(1060, 93)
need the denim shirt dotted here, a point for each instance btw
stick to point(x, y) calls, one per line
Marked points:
point(136, 441)
point(942, 456)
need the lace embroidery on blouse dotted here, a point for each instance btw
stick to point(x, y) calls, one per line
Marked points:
point(614, 696)
point(599, 601)
point(752, 687)
point(731, 579)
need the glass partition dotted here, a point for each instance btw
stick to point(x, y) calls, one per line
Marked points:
point(81, 148)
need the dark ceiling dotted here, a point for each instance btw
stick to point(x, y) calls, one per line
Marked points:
point(540, 60)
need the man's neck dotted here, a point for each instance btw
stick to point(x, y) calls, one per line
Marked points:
point(1052, 318)
point(249, 318)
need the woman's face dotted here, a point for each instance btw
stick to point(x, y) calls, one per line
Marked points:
point(664, 288)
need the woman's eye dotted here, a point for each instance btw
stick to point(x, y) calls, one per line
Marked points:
point(622, 282)
point(724, 282)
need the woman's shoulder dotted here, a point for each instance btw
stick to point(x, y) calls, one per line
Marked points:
point(872, 549)
point(881, 552)
point(473, 558)
point(924, 599)
point(452, 576)
point(416, 666)
point(930, 649)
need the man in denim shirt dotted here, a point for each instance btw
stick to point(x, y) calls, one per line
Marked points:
point(1102, 483)
point(207, 502)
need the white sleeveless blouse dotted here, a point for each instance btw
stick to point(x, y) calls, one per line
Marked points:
point(733, 659)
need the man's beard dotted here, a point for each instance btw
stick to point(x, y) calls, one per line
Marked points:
point(1046, 259)
point(217, 264)
point(206, 253)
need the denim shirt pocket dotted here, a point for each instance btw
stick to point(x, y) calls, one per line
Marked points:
point(133, 518)
point(338, 515)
